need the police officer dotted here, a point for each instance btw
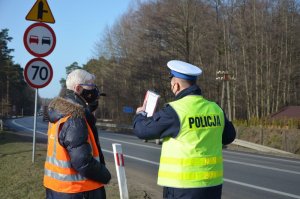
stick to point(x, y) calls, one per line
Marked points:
point(193, 131)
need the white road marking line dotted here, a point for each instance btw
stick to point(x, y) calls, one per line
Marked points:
point(130, 143)
point(232, 152)
point(119, 135)
point(261, 166)
point(158, 148)
point(156, 163)
point(262, 188)
point(134, 158)
point(225, 160)
point(225, 179)
point(260, 156)
point(24, 127)
point(225, 152)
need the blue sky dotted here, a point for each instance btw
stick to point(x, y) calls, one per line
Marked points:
point(78, 26)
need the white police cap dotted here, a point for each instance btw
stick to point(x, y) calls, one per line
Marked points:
point(184, 70)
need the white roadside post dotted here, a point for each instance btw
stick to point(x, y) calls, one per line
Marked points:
point(1, 125)
point(119, 162)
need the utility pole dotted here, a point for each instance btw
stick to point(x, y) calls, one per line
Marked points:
point(225, 76)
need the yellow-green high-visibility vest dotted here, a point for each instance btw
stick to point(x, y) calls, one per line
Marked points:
point(194, 158)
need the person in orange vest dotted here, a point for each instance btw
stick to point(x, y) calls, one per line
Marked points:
point(75, 166)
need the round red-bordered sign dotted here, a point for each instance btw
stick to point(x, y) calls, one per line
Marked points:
point(38, 73)
point(39, 39)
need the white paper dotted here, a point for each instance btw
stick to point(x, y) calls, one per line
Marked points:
point(151, 99)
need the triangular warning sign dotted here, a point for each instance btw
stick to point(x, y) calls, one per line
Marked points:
point(40, 12)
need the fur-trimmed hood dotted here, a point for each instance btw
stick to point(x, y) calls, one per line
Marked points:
point(60, 107)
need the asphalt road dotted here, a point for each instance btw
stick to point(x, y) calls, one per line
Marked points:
point(247, 175)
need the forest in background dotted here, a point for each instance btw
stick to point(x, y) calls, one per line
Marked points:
point(16, 97)
point(255, 43)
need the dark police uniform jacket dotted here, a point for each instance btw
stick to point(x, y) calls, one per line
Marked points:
point(165, 123)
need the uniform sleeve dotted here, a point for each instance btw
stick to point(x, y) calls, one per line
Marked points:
point(164, 123)
point(229, 132)
point(73, 136)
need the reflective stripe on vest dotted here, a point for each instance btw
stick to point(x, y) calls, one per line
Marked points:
point(59, 174)
point(62, 164)
point(63, 177)
point(194, 158)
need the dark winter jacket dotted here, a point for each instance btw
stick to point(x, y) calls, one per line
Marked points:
point(165, 123)
point(73, 137)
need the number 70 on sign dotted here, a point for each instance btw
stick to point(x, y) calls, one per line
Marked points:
point(38, 73)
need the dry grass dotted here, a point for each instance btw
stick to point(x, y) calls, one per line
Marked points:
point(21, 179)
point(283, 139)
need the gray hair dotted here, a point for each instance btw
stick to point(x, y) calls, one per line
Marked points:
point(78, 76)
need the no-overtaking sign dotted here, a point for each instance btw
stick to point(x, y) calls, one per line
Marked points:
point(39, 39)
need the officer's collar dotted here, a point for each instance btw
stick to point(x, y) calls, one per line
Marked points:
point(192, 90)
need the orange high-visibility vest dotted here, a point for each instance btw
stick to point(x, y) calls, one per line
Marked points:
point(59, 174)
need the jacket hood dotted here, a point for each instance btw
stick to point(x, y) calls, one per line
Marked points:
point(60, 107)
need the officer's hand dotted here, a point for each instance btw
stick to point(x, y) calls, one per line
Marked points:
point(142, 108)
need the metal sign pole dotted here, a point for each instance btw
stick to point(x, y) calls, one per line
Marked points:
point(34, 125)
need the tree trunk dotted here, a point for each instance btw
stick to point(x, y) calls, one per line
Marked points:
point(256, 62)
point(279, 76)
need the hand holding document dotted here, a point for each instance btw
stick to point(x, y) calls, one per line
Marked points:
point(150, 102)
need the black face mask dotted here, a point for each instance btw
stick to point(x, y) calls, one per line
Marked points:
point(90, 95)
point(93, 106)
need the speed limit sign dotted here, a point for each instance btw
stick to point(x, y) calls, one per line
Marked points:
point(38, 73)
